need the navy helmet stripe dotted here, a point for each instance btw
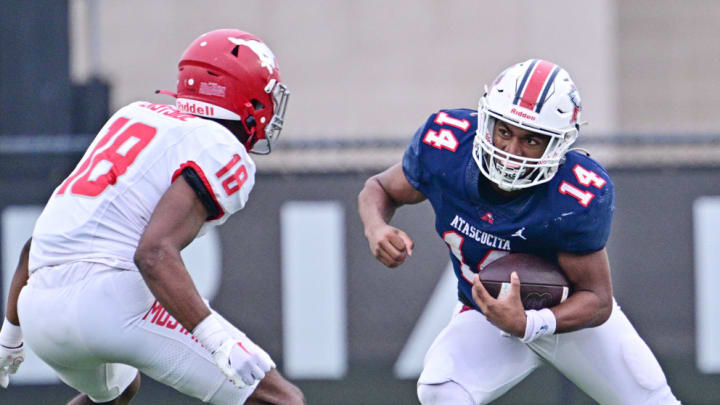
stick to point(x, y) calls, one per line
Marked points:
point(549, 83)
point(521, 89)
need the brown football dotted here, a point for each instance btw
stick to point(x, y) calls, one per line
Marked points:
point(542, 283)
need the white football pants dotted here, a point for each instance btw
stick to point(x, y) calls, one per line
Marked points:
point(611, 363)
point(96, 326)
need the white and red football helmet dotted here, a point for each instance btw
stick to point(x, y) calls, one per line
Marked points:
point(232, 75)
point(535, 95)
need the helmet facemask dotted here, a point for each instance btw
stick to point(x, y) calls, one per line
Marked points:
point(280, 97)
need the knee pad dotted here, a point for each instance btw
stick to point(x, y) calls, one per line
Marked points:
point(445, 393)
point(664, 396)
point(642, 364)
point(646, 370)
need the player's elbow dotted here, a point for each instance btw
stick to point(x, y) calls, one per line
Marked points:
point(375, 189)
point(149, 256)
point(373, 196)
point(372, 188)
point(143, 258)
point(604, 310)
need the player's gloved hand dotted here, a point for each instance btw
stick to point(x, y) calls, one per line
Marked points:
point(240, 365)
point(241, 362)
point(10, 360)
point(12, 351)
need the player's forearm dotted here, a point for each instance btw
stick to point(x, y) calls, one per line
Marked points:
point(374, 205)
point(591, 302)
point(582, 309)
point(165, 274)
point(19, 280)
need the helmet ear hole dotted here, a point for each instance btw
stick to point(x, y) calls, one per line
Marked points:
point(235, 50)
point(257, 105)
point(250, 122)
point(213, 73)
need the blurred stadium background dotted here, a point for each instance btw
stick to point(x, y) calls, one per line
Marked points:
point(296, 272)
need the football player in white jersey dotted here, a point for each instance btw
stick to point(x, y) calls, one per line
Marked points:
point(101, 292)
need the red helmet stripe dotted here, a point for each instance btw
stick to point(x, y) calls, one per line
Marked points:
point(529, 97)
point(521, 88)
point(545, 91)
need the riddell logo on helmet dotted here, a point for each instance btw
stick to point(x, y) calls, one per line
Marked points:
point(191, 108)
point(522, 114)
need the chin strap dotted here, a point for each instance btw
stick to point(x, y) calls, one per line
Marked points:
point(166, 92)
point(249, 126)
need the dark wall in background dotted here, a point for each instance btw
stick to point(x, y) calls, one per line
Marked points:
point(37, 95)
point(35, 88)
point(651, 252)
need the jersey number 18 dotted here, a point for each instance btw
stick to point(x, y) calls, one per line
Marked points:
point(102, 166)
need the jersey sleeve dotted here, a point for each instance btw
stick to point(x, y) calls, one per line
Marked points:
point(588, 230)
point(195, 181)
point(412, 159)
point(220, 171)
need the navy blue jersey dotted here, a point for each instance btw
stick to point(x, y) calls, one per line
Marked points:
point(570, 213)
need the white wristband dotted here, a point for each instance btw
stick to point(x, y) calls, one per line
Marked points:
point(539, 323)
point(211, 333)
point(10, 335)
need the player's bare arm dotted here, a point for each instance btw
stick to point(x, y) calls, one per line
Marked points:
point(591, 302)
point(377, 202)
point(18, 282)
point(175, 222)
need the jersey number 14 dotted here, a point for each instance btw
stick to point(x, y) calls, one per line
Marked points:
point(445, 139)
point(586, 178)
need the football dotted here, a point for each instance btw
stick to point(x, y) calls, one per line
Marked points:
point(542, 283)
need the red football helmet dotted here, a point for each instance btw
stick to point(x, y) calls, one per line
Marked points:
point(232, 75)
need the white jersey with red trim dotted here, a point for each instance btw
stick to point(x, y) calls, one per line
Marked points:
point(99, 212)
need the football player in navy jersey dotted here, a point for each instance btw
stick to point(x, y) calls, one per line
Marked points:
point(500, 180)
